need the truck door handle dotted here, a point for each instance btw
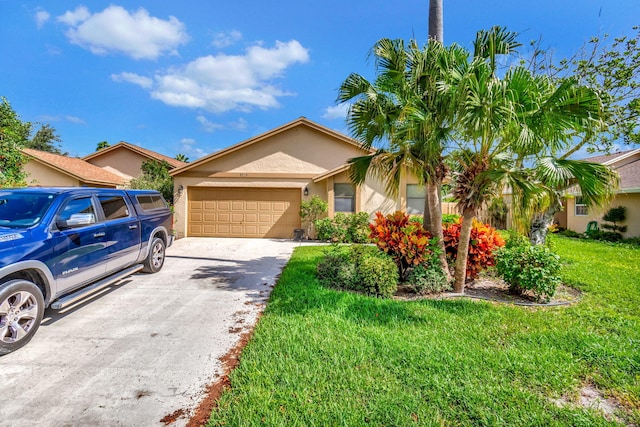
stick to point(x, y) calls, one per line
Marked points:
point(133, 227)
point(97, 235)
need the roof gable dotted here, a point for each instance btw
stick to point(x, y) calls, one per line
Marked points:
point(74, 167)
point(626, 163)
point(149, 154)
point(300, 146)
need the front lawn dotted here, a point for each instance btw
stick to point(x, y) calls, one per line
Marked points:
point(321, 357)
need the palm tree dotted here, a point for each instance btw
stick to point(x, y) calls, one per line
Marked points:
point(505, 123)
point(436, 26)
point(406, 109)
point(182, 158)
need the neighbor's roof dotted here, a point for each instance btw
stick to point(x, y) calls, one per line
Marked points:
point(74, 167)
point(152, 155)
point(302, 121)
point(626, 163)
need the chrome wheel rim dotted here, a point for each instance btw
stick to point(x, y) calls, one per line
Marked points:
point(157, 256)
point(18, 313)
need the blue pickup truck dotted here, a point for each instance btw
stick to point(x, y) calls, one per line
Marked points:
point(59, 245)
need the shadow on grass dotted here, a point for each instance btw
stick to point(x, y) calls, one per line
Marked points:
point(299, 293)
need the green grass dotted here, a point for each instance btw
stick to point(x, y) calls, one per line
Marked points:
point(320, 357)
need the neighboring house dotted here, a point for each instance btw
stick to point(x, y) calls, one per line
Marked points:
point(254, 188)
point(53, 170)
point(126, 159)
point(577, 215)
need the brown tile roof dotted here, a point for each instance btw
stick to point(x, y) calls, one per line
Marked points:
point(75, 167)
point(143, 151)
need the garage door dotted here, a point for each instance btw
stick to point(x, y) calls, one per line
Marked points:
point(243, 212)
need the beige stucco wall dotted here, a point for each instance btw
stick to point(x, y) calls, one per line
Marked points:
point(299, 150)
point(630, 200)
point(41, 175)
point(120, 161)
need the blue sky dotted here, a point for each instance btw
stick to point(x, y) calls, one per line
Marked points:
point(193, 77)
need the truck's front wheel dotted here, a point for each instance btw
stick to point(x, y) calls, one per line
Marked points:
point(21, 311)
point(155, 259)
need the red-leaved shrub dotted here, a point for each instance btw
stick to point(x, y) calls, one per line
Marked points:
point(484, 241)
point(405, 241)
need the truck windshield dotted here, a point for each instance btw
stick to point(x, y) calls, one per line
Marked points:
point(23, 209)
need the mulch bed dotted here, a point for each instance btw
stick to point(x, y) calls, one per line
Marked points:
point(496, 290)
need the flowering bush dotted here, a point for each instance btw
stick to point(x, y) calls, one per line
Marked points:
point(484, 241)
point(405, 241)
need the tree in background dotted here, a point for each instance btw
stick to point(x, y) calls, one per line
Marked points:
point(612, 69)
point(182, 158)
point(155, 176)
point(46, 139)
point(102, 145)
point(14, 134)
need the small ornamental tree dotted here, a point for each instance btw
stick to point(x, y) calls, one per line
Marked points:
point(312, 210)
point(484, 241)
point(615, 215)
point(405, 241)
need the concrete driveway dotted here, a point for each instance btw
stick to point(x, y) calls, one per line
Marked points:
point(147, 349)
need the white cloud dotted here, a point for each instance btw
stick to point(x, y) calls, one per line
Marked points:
point(144, 82)
point(41, 17)
point(68, 118)
point(187, 147)
point(230, 82)
point(222, 40)
point(207, 125)
point(240, 124)
point(339, 111)
point(116, 30)
point(73, 18)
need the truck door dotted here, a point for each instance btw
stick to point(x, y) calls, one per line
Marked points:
point(79, 244)
point(123, 231)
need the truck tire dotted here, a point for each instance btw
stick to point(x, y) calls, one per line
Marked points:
point(155, 258)
point(21, 311)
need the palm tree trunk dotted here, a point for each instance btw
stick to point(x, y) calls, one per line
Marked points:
point(436, 30)
point(463, 250)
point(541, 222)
point(433, 223)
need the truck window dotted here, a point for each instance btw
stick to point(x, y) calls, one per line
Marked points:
point(151, 201)
point(114, 207)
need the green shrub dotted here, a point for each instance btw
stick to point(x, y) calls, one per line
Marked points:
point(344, 228)
point(428, 279)
point(533, 268)
point(359, 268)
point(570, 233)
point(448, 219)
point(378, 275)
point(607, 236)
point(336, 270)
point(311, 210)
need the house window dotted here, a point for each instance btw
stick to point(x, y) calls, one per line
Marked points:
point(415, 199)
point(344, 198)
point(581, 207)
